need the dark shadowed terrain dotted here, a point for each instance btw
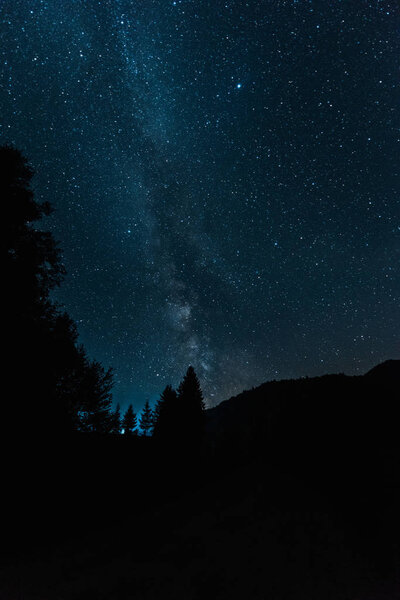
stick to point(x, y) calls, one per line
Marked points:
point(294, 494)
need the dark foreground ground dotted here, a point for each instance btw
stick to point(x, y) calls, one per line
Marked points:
point(296, 510)
point(249, 534)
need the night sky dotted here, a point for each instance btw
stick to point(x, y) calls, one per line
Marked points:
point(225, 178)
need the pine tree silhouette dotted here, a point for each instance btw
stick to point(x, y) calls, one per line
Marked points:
point(95, 409)
point(146, 420)
point(191, 408)
point(166, 415)
point(54, 383)
point(129, 421)
point(116, 420)
point(33, 264)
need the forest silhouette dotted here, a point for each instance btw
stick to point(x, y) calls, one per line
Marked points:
point(61, 390)
point(288, 490)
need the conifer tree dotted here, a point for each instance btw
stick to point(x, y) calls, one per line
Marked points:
point(95, 409)
point(129, 421)
point(191, 408)
point(146, 420)
point(56, 388)
point(116, 420)
point(189, 389)
point(166, 415)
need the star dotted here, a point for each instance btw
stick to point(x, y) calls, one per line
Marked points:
point(244, 232)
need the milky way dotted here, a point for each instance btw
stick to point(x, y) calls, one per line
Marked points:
point(225, 177)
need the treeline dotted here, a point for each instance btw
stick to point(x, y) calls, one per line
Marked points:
point(178, 413)
point(55, 387)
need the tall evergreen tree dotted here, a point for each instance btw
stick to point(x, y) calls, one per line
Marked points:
point(191, 408)
point(189, 390)
point(146, 420)
point(31, 268)
point(129, 421)
point(166, 415)
point(95, 408)
point(32, 259)
point(53, 381)
point(116, 420)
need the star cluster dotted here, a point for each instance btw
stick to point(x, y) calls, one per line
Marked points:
point(225, 176)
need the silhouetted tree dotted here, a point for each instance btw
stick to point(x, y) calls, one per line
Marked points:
point(54, 384)
point(191, 408)
point(146, 420)
point(129, 421)
point(31, 268)
point(116, 420)
point(32, 258)
point(95, 409)
point(166, 415)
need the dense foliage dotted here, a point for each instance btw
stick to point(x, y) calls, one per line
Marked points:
point(55, 386)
